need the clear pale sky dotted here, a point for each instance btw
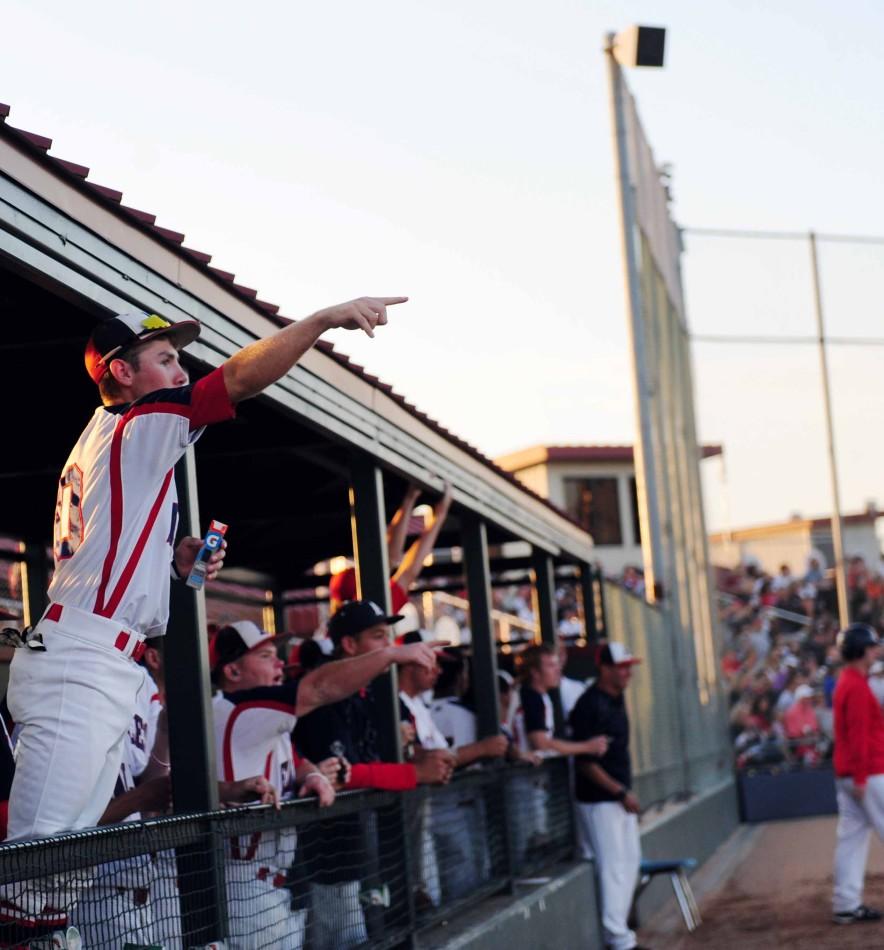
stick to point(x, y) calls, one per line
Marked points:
point(459, 151)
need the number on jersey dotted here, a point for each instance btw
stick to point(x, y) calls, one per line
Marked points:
point(69, 513)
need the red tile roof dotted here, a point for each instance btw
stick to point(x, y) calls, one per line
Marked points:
point(37, 147)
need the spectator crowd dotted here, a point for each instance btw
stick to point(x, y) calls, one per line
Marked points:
point(781, 661)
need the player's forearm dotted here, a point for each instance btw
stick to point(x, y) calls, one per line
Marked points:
point(121, 807)
point(258, 365)
point(335, 681)
point(541, 742)
point(413, 560)
point(397, 530)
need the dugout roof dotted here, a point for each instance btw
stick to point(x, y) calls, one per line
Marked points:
point(72, 252)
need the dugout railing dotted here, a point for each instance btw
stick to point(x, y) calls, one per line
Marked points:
point(372, 870)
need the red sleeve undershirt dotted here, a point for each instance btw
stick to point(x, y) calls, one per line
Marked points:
point(209, 401)
point(389, 776)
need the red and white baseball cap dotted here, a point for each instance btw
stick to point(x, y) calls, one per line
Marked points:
point(235, 640)
point(616, 654)
point(111, 337)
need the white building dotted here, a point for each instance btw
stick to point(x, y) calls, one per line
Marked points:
point(792, 542)
point(595, 485)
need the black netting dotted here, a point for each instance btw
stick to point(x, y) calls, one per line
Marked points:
point(363, 873)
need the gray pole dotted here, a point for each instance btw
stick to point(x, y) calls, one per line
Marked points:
point(837, 538)
point(645, 477)
point(368, 521)
point(478, 575)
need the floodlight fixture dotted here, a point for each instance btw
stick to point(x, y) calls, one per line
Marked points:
point(639, 46)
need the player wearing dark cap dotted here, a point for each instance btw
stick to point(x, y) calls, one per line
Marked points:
point(607, 808)
point(859, 773)
point(350, 729)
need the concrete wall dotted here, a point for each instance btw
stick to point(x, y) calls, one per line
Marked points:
point(694, 831)
point(563, 913)
point(558, 915)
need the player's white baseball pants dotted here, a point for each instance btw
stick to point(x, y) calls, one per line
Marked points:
point(259, 915)
point(855, 823)
point(608, 835)
point(337, 920)
point(108, 917)
point(73, 702)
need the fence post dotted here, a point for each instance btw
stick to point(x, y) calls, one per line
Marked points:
point(545, 609)
point(35, 581)
point(192, 736)
point(587, 599)
point(368, 522)
point(478, 576)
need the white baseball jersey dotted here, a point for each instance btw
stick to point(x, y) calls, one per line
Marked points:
point(530, 711)
point(117, 510)
point(455, 721)
point(253, 737)
point(428, 734)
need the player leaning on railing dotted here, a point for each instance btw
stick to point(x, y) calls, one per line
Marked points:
point(73, 685)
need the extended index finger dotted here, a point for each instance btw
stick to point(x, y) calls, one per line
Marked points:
point(389, 301)
point(437, 644)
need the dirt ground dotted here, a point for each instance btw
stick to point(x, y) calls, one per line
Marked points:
point(775, 893)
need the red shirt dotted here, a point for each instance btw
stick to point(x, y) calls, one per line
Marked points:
point(859, 728)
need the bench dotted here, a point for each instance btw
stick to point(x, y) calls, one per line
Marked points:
point(677, 870)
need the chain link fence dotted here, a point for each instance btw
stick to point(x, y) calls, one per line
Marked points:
point(367, 872)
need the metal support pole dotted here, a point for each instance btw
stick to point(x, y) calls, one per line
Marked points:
point(837, 537)
point(645, 463)
point(545, 610)
point(587, 602)
point(192, 736)
point(368, 522)
point(35, 581)
point(369, 526)
point(478, 575)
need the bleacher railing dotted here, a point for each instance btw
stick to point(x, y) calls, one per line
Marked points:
point(369, 871)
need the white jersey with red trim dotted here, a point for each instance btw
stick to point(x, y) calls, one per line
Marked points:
point(117, 509)
point(253, 737)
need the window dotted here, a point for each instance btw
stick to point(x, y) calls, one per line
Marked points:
point(595, 505)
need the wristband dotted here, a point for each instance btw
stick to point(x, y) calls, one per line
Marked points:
point(310, 774)
point(175, 573)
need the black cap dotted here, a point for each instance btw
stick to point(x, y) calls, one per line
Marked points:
point(112, 337)
point(855, 640)
point(350, 619)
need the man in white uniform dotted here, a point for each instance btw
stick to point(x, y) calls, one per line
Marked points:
point(532, 721)
point(255, 713)
point(73, 687)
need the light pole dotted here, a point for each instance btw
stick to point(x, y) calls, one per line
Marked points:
point(637, 46)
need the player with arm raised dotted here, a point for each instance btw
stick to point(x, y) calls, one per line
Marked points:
point(115, 529)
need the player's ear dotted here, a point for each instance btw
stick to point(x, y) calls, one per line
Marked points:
point(121, 372)
point(231, 672)
point(349, 646)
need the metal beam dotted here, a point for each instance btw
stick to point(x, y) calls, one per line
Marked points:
point(587, 587)
point(545, 611)
point(76, 259)
point(192, 736)
point(478, 575)
point(35, 581)
point(369, 524)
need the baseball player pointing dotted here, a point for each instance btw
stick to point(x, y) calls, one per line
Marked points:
point(115, 527)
